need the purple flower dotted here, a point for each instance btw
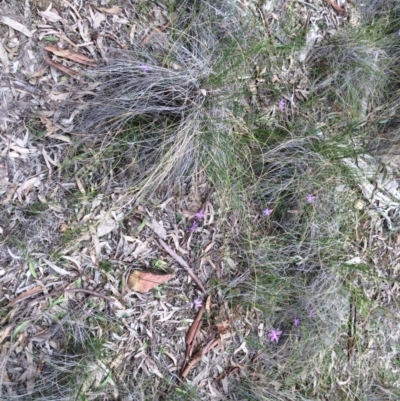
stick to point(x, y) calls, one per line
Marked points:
point(199, 215)
point(399, 32)
point(197, 303)
point(296, 322)
point(274, 335)
point(267, 212)
point(311, 314)
point(282, 104)
point(144, 67)
point(194, 226)
point(310, 198)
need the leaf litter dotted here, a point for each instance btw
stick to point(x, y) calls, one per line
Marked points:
point(148, 321)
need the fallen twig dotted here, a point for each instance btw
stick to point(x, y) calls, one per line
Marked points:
point(180, 260)
point(160, 29)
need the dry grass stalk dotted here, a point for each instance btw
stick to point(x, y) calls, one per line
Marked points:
point(181, 261)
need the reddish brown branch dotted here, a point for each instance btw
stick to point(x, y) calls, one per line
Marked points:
point(339, 9)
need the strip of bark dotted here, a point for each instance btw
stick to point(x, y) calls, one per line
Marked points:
point(198, 355)
point(194, 328)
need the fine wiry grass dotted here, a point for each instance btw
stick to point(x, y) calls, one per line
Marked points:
point(183, 107)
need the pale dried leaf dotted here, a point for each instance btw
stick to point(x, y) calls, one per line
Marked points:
point(50, 16)
point(80, 185)
point(26, 187)
point(4, 56)
point(157, 228)
point(105, 227)
point(22, 150)
point(98, 18)
point(57, 269)
point(140, 248)
point(143, 282)
point(61, 138)
point(16, 25)
point(111, 10)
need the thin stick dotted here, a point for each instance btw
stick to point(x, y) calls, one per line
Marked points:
point(159, 30)
point(180, 260)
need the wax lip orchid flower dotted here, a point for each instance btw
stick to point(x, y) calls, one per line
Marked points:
point(144, 67)
point(194, 226)
point(199, 215)
point(310, 198)
point(274, 335)
point(282, 104)
point(197, 303)
point(267, 212)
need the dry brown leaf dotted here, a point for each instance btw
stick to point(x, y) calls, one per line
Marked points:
point(26, 294)
point(143, 282)
point(336, 6)
point(70, 55)
point(63, 227)
point(221, 328)
point(111, 10)
point(16, 25)
point(48, 124)
point(62, 68)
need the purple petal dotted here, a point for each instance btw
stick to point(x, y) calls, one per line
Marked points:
point(199, 215)
point(194, 226)
point(267, 212)
point(310, 198)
